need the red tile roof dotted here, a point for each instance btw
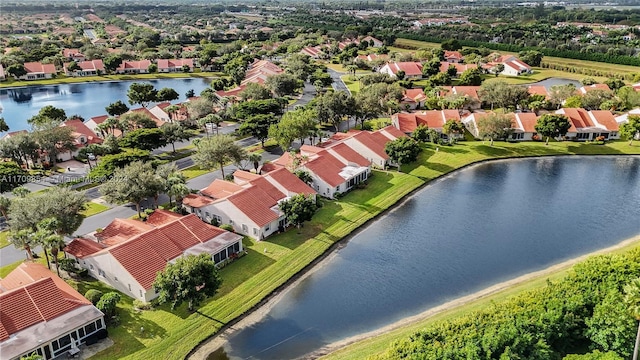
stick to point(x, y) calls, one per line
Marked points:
point(80, 129)
point(99, 119)
point(460, 68)
point(256, 204)
point(161, 217)
point(416, 95)
point(410, 68)
point(37, 67)
point(347, 153)
point(145, 111)
point(538, 90)
point(290, 181)
point(327, 168)
point(81, 247)
point(586, 89)
point(393, 131)
point(528, 121)
point(174, 63)
point(455, 55)
point(31, 294)
point(140, 65)
point(606, 119)
point(219, 189)
point(196, 201)
point(579, 118)
point(373, 142)
point(244, 176)
point(123, 229)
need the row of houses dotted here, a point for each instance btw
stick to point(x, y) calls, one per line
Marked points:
point(413, 69)
point(316, 52)
point(258, 72)
point(585, 125)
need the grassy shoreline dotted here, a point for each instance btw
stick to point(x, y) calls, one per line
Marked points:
point(104, 78)
point(277, 262)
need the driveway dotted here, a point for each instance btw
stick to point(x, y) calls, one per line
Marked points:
point(338, 84)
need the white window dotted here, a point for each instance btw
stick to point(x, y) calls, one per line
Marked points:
point(255, 231)
point(245, 228)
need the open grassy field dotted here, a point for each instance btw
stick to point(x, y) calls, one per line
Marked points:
point(352, 83)
point(61, 79)
point(94, 208)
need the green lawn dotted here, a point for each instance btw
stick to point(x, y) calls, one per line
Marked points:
point(6, 269)
point(62, 79)
point(94, 208)
point(352, 83)
point(193, 172)
point(4, 241)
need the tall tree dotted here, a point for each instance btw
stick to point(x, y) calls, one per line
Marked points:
point(218, 150)
point(116, 108)
point(552, 125)
point(47, 114)
point(283, 84)
point(5, 203)
point(144, 139)
point(135, 120)
point(255, 91)
point(402, 150)
point(560, 93)
point(452, 127)
point(211, 119)
point(630, 129)
point(22, 239)
point(46, 236)
point(142, 94)
point(332, 107)
point(199, 108)
point(298, 209)
point(632, 301)
point(494, 126)
point(132, 183)
point(174, 132)
point(254, 158)
point(167, 94)
point(296, 124)
point(471, 77)
point(190, 279)
point(258, 126)
point(54, 139)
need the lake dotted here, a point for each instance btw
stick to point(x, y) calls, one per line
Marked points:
point(84, 99)
point(547, 83)
point(475, 228)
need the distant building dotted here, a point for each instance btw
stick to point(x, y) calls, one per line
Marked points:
point(87, 68)
point(37, 71)
point(134, 67)
point(174, 65)
point(412, 70)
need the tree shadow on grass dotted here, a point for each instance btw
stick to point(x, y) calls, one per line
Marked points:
point(494, 151)
point(142, 328)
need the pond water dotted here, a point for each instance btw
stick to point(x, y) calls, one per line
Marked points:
point(475, 228)
point(547, 83)
point(84, 99)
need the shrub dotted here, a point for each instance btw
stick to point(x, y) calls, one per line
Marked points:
point(214, 222)
point(93, 295)
point(227, 227)
point(107, 304)
point(141, 305)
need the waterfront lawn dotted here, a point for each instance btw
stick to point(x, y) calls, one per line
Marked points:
point(253, 277)
point(62, 79)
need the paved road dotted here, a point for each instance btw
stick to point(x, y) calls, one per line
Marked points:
point(338, 84)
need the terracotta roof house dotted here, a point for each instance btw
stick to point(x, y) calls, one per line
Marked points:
point(41, 313)
point(250, 203)
point(376, 43)
point(588, 125)
point(460, 68)
point(524, 126)
point(127, 256)
point(159, 122)
point(73, 55)
point(585, 89)
point(258, 72)
point(160, 111)
point(87, 68)
point(373, 57)
point(512, 66)
point(412, 70)
point(434, 119)
point(414, 98)
point(312, 51)
point(37, 70)
point(538, 90)
point(82, 136)
point(134, 67)
point(453, 56)
point(623, 118)
point(174, 65)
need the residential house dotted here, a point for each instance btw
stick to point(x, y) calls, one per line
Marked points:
point(460, 68)
point(585, 89)
point(142, 110)
point(312, 51)
point(412, 70)
point(174, 65)
point(588, 125)
point(524, 126)
point(249, 203)
point(134, 67)
point(376, 43)
point(128, 253)
point(434, 119)
point(82, 136)
point(370, 145)
point(373, 57)
point(87, 68)
point(538, 90)
point(160, 112)
point(258, 72)
point(43, 314)
point(470, 92)
point(453, 56)
point(512, 66)
point(414, 98)
point(37, 70)
point(623, 118)
point(73, 55)
point(93, 123)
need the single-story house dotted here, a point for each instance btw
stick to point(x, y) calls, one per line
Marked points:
point(160, 112)
point(373, 57)
point(524, 126)
point(134, 67)
point(588, 125)
point(414, 98)
point(469, 91)
point(585, 89)
point(174, 65)
point(312, 51)
point(43, 314)
point(249, 203)
point(73, 55)
point(512, 66)
point(460, 68)
point(82, 136)
point(159, 122)
point(412, 70)
point(538, 90)
point(260, 70)
point(128, 253)
point(87, 68)
point(376, 43)
point(38, 70)
point(623, 118)
point(453, 56)
point(434, 119)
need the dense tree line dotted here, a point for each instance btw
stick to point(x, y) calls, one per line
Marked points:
point(583, 310)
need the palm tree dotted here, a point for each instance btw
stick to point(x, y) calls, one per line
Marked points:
point(46, 236)
point(632, 301)
point(22, 240)
point(255, 158)
point(111, 123)
point(171, 110)
point(179, 191)
point(351, 69)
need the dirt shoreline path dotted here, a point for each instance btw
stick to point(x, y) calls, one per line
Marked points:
point(219, 340)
